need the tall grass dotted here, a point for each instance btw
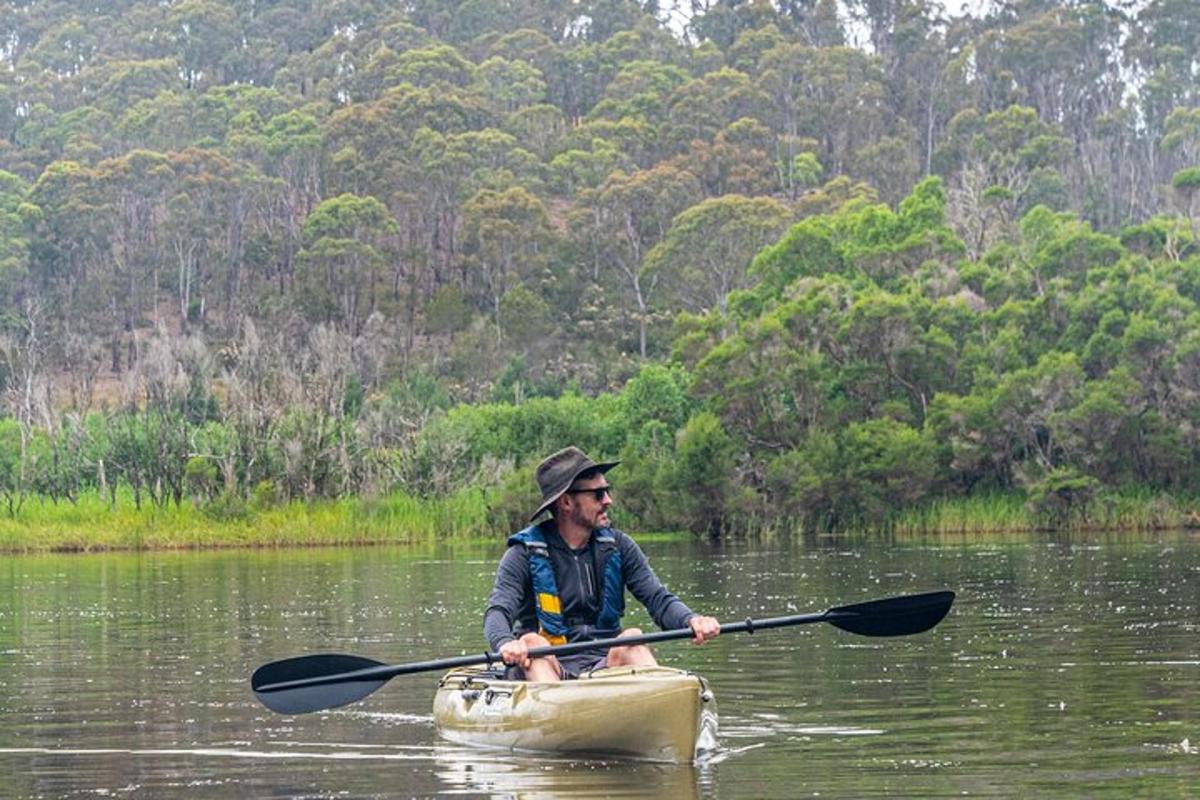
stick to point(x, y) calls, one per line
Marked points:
point(92, 523)
point(988, 513)
point(1128, 509)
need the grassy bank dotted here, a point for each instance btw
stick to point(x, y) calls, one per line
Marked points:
point(93, 523)
point(1126, 510)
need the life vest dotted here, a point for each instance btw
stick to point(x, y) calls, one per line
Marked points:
point(553, 625)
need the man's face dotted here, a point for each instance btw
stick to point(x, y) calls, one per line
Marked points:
point(584, 508)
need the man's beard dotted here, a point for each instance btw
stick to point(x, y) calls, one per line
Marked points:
point(583, 520)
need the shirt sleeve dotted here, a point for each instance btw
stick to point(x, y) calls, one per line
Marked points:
point(667, 610)
point(507, 598)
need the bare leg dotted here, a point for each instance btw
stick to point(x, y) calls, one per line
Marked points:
point(541, 669)
point(638, 655)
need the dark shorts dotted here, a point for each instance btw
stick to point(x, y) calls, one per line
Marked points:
point(573, 666)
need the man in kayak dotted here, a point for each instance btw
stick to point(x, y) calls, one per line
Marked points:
point(564, 580)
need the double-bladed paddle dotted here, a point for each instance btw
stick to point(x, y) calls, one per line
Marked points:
point(318, 682)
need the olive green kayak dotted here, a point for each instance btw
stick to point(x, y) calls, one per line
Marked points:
point(653, 713)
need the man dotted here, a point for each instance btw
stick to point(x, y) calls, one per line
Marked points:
point(564, 580)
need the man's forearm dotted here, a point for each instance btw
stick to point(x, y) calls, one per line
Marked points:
point(667, 610)
point(497, 628)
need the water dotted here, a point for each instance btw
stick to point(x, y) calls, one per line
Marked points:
point(1067, 668)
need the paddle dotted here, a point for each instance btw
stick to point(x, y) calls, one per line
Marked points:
point(318, 682)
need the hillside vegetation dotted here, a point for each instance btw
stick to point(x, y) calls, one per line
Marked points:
point(800, 264)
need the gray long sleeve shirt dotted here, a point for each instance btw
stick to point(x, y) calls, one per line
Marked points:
point(511, 606)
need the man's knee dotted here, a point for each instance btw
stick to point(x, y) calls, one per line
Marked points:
point(630, 632)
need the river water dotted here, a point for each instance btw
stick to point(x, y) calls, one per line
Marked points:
point(1067, 668)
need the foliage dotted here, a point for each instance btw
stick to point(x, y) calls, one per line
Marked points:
point(787, 267)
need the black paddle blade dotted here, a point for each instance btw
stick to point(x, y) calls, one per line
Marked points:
point(894, 616)
point(301, 700)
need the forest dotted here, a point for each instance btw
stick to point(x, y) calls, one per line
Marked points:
point(800, 264)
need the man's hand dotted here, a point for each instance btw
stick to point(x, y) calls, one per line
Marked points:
point(703, 628)
point(515, 653)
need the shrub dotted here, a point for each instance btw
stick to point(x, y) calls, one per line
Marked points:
point(1061, 499)
point(702, 482)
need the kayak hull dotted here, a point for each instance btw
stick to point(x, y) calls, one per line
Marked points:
point(651, 713)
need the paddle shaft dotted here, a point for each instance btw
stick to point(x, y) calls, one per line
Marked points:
point(387, 671)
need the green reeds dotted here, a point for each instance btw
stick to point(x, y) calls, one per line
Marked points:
point(1127, 509)
point(987, 513)
point(93, 523)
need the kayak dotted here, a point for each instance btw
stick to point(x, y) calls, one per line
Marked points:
point(651, 713)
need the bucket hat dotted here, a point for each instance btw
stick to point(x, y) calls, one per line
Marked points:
point(557, 472)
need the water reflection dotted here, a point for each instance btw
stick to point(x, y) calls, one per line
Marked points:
point(502, 774)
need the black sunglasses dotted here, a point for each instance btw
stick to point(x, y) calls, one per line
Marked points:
point(597, 492)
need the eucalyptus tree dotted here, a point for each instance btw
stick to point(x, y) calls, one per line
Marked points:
point(724, 22)
point(1164, 48)
point(348, 241)
point(704, 254)
point(706, 105)
point(137, 187)
point(1064, 61)
point(539, 127)
point(70, 225)
point(1182, 140)
point(207, 39)
point(207, 210)
point(640, 89)
point(746, 52)
point(288, 148)
point(1007, 162)
point(511, 85)
point(740, 159)
point(632, 214)
point(507, 239)
point(15, 218)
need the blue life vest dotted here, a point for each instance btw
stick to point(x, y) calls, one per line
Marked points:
point(545, 588)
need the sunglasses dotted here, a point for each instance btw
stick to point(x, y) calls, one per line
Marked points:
point(597, 493)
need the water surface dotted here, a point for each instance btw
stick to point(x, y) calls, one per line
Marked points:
point(1068, 668)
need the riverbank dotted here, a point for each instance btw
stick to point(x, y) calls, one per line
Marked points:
point(94, 524)
point(1128, 510)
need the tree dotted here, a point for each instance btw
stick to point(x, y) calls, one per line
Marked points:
point(506, 238)
point(702, 107)
point(207, 39)
point(205, 215)
point(1186, 184)
point(704, 255)
point(740, 160)
point(347, 240)
point(14, 238)
point(834, 95)
point(633, 213)
point(1001, 157)
point(702, 478)
point(511, 85)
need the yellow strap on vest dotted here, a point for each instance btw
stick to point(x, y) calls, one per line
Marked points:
point(549, 603)
point(554, 640)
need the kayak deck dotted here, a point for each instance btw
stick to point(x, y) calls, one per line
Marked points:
point(652, 713)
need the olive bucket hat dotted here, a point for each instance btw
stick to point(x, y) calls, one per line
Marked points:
point(556, 474)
